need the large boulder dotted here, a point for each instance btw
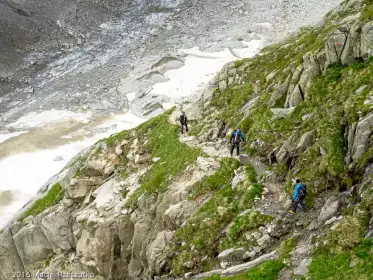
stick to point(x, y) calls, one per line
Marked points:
point(176, 214)
point(238, 269)
point(352, 46)
point(279, 92)
point(95, 167)
point(141, 230)
point(293, 85)
point(32, 245)
point(366, 49)
point(334, 46)
point(57, 228)
point(302, 268)
point(306, 141)
point(311, 70)
point(105, 246)
point(9, 259)
point(78, 188)
point(362, 136)
point(231, 254)
point(287, 148)
point(329, 209)
point(156, 249)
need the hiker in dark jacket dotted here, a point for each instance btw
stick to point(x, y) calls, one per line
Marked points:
point(236, 138)
point(300, 192)
point(183, 122)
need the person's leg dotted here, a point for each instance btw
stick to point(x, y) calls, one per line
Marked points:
point(181, 128)
point(232, 149)
point(186, 127)
point(294, 206)
point(304, 207)
point(238, 148)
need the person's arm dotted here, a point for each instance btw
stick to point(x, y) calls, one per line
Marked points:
point(231, 137)
point(242, 137)
point(296, 192)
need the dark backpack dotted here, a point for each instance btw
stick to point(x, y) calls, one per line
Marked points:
point(303, 191)
point(183, 119)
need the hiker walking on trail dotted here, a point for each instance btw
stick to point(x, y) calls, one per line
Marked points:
point(236, 138)
point(300, 193)
point(183, 123)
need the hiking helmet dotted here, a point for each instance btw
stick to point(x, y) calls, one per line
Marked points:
point(297, 181)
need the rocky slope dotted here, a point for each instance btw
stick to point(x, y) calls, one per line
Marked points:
point(144, 204)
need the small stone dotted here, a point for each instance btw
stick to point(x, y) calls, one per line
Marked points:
point(58, 158)
point(66, 202)
point(264, 240)
point(189, 264)
point(109, 170)
point(360, 89)
point(156, 159)
point(118, 150)
point(224, 265)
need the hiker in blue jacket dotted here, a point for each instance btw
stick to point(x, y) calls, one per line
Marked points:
point(299, 195)
point(236, 138)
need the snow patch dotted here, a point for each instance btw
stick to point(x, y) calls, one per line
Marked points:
point(199, 68)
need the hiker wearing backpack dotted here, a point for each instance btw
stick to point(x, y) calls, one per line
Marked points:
point(236, 138)
point(300, 193)
point(183, 122)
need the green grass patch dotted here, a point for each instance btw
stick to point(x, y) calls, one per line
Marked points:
point(367, 12)
point(54, 195)
point(244, 224)
point(287, 247)
point(269, 270)
point(163, 142)
point(218, 180)
point(203, 230)
point(354, 264)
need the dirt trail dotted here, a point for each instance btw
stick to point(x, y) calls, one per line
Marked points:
point(275, 203)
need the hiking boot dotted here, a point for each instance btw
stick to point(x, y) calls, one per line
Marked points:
point(291, 212)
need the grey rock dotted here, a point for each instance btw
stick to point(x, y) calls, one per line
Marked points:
point(231, 254)
point(95, 167)
point(334, 46)
point(302, 268)
point(207, 274)
point(361, 137)
point(234, 270)
point(223, 86)
point(351, 49)
point(279, 92)
point(244, 159)
point(306, 141)
point(264, 240)
point(360, 89)
point(329, 209)
point(293, 84)
point(58, 158)
point(307, 116)
point(281, 113)
point(251, 254)
point(271, 76)
point(32, 245)
point(287, 148)
point(57, 228)
point(9, 258)
point(109, 170)
point(366, 48)
point(78, 188)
